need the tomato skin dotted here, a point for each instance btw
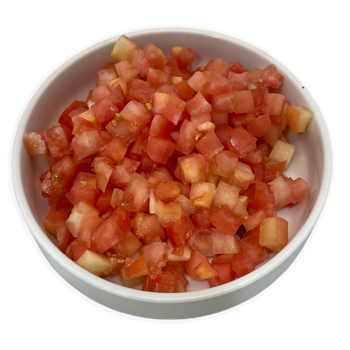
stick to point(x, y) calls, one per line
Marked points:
point(242, 264)
point(225, 221)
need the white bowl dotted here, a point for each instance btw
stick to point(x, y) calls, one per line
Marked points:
point(74, 79)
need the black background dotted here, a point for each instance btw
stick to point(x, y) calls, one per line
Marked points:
point(39, 303)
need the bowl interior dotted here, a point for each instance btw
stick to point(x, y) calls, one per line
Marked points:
point(75, 78)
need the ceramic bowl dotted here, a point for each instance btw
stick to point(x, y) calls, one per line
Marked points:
point(74, 79)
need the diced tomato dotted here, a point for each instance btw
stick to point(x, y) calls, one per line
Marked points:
point(260, 126)
point(159, 150)
point(57, 142)
point(299, 188)
point(160, 127)
point(209, 145)
point(225, 274)
point(198, 267)
point(198, 105)
point(35, 143)
point(167, 191)
point(136, 194)
point(123, 171)
point(225, 221)
point(241, 142)
point(201, 217)
point(174, 109)
point(270, 78)
point(180, 230)
point(84, 189)
point(242, 264)
point(244, 102)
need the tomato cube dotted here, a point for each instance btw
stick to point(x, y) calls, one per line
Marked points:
point(159, 150)
point(174, 109)
point(193, 168)
point(260, 126)
point(198, 105)
point(209, 145)
point(225, 274)
point(241, 142)
point(106, 235)
point(197, 242)
point(126, 70)
point(166, 191)
point(274, 233)
point(117, 149)
point(274, 104)
point(225, 221)
point(226, 194)
point(160, 127)
point(185, 143)
point(270, 78)
point(299, 188)
point(136, 194)
point(202, 194)
point(104, 76)
point(244, 102)
point(198, 267)
point(281, 191)
point(123, 171)
point(155, 56)
point(137, 114)
point(180, 230)
point(215, 84)
point(155, 255)
point(224, 243)
point(299, 118)
point(84, 189)
point(35, 143)
point(57, 142)
point(242, 264)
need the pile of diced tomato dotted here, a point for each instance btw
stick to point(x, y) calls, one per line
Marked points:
point(165, 172)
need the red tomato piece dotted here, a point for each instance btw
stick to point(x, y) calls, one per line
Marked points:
point(126, 70)
point(159, 150)
point(186, 140)
point(225, 221)
point(104, 76)
point(116, 149)
point(84, 189)
point(87, 143)
point(65, 119)
point(216, 84)
point(244, 102)
point(198, 267)
point(174, 109)
point(99, 93)
point(136, 194)
point(57, 142)
point(103, 203)
point(137, 114)
point(260, 126)
point(209, 145)
point(123, 171)
point(184, 90)
point(155, 56)
point(155, 255)
point(224, 102)
point(225, 274)
point(198, 105)
point(201, 217)
point(35, 143)
point(106, 235)
point(238, 81)
point(242, 264)
point(180, 230)
point(241, 142)
point(167, 191)
point(160, 127)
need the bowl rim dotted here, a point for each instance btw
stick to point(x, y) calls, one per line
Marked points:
point(109, 287)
